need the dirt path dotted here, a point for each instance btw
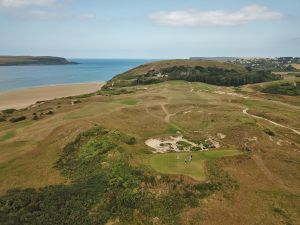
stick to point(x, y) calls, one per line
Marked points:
point(151, 114)
point(167, 118)
point(261, 165)
point(168, 115)
point(245, 111)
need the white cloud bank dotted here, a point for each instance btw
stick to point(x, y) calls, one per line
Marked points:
point(194, 18)
point(25, 3)
point(42, 10)
point(51, 15)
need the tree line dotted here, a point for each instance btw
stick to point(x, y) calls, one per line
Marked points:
point(218, 76)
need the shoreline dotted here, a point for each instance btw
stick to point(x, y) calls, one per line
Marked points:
point(24, 97)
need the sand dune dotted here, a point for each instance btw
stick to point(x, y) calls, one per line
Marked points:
point(25, 97)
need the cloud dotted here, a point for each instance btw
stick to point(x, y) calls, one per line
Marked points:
point(88, 16)
point(26, 3)
point(52, 15)
point(42, 10)
point(42, 14)
point(194, 18)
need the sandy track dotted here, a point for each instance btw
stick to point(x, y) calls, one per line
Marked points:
point(168, 115)
point(245, 111)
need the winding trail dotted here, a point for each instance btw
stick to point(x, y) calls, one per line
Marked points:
point(168, 115)
point(245, 111)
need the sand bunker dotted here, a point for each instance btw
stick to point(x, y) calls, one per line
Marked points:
point(221, 136)
point(213, 142)
point(179, 144)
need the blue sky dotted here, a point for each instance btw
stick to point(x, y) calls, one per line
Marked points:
point(150, 29)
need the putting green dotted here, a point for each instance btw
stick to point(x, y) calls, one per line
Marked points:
point(174, 163)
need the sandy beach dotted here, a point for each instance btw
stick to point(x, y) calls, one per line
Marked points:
point(24, 97)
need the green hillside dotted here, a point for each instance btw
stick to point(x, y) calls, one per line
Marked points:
point(211, 72)
point(29, 60)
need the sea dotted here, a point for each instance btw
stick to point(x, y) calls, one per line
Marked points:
point(88, 70)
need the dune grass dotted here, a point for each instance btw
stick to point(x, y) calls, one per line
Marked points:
point(7, 136)
point(169, 164)
point(129, 102)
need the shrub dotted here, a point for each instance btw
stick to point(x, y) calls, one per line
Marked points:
point(269, 132)
point(77, 101)
point(17, 119)
point(292, 89)
point(9, 111)
point(49, 113)
point(195, 149)
point(114, 91)
point(35, 117)
point(183, 144)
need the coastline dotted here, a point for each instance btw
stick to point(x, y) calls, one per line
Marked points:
point(25, 97)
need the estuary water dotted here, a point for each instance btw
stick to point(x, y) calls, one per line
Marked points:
point(89, 70)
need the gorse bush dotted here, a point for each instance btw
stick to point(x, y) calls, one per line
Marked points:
point(114, 91)
point(8, 111)
point(17, 119)
point(292, 89)
point(82, 157)
point(104, 187)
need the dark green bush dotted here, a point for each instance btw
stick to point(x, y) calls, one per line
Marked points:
point(49, 113)
point(269, 132)
point(114, 91)
point(8, 111)
point(292, 89)
point(17, 119)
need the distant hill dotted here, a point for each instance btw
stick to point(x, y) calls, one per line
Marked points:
point(206, 71)
point(30, 60)
point(220, 59)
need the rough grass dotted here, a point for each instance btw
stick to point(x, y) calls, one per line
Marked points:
point(7, 136)
point(28, 161)
point(129, 102)
point(169, 164)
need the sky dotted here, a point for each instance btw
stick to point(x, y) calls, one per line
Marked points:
point(154, 29)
